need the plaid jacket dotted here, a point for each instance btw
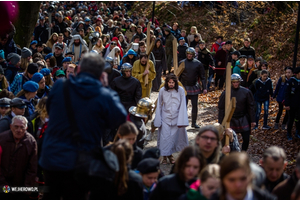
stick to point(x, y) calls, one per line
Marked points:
point(17, 84)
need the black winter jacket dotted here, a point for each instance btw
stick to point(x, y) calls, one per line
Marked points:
point(263, 90)
point(181, 52)
point(247, 51)
point(205, 58)
point(292, 95)
point(169, 187)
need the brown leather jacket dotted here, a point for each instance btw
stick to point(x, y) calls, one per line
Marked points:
point(19, 161)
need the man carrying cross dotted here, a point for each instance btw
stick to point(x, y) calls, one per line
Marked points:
point(244, 113)
point(139, 71)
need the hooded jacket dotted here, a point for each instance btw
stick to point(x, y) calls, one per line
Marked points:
point(126, 59)
point(76, 30)
point(160, 54)
point(97, 109)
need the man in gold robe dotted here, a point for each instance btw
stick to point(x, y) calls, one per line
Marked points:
point(139, 71)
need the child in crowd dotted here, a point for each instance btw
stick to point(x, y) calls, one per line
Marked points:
point(149, 170)
point(240, 65)
point(129, 132)
point(263, 91)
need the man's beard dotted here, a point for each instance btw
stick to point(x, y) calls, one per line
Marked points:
point(144, 64)
point(171, 87)
point(77, 44)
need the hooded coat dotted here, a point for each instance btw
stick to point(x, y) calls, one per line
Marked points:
point(112, 54)
point(101, 109)
point(77, 50)
point(160, 54)
point(126, 59)
point(76, 30)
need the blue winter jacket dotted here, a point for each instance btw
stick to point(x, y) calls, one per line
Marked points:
point(280, 90)
point(96, 109)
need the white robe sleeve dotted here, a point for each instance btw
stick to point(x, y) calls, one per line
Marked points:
point(182, 117)
point(158, 119)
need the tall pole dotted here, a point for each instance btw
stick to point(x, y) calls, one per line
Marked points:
point(153, 22)
point(50, 21)
point(297, 38)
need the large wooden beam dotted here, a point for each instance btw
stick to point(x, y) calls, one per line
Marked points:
point(175, 56)
point(227, 97)
point(229, 111)
point(148, 47)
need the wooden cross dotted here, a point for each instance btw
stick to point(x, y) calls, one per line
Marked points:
point(150, 46)
point(230, 104)
point(177, 70)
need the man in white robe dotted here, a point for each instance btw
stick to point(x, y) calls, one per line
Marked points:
point(77, 46)
point(171, 119)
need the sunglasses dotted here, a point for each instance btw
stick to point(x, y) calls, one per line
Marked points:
point(113, 43)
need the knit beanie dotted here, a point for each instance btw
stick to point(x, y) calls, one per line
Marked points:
point(13, 58)
point(25, 53)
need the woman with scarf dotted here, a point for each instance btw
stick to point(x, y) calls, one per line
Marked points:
point(130, 57)
point(115, 55)
point(161, 63)
point(124, 44)
point(216, 46)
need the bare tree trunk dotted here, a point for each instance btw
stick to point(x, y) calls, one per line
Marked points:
point(28, 16)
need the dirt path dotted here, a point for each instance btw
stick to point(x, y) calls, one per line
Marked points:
point(259, 141)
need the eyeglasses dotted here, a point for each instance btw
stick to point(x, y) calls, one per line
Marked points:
point(209, 138)
point(113, 43)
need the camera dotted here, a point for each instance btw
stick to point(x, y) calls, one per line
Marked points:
point(50, 9)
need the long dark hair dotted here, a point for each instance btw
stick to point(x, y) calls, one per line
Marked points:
point(186, 154)
point(168, 78)
point(123, 150)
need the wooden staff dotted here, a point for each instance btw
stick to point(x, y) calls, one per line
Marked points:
point(175, 58)
point(148, 53)
point(229, 104)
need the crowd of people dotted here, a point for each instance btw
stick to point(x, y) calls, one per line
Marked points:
point(74, 106)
